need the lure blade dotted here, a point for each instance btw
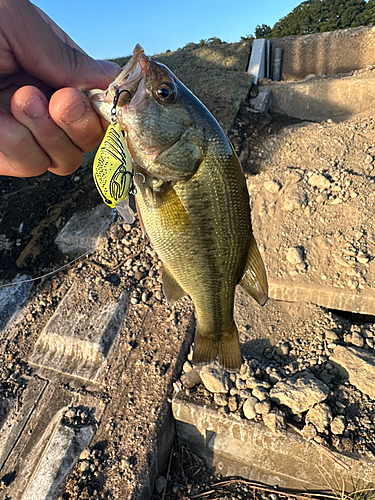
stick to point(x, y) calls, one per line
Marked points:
point(112, 169)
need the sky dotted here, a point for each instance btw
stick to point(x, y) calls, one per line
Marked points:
point(110, 29)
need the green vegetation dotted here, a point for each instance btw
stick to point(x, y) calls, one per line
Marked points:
point(317, 16)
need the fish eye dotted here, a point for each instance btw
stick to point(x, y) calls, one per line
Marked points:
point(166, 93)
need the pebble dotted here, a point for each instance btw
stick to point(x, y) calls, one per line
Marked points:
point(215, 379)
point(249, 408)
point(232, 403)
point(240, 384)
point(294, 255)
point(338, 425)
point(272, 186)
point(357, 339)
point(262, 408)
point(160, 483)
point(260, 393)
point(331, 335)
point(319, 181)
point(283, 349)
point(320, 416)
point(309, 431)
point(221, 399)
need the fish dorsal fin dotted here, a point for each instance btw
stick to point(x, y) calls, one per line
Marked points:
point(171, 288)
point(254, 279)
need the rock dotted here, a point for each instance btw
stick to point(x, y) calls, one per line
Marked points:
point(294, 199)
point(294, 255)
point(331, 335)
point(263, 407)
point(319, 181)
point(272, 186)
point(260, 393)
point(220, 399)
point(299, 393)
point(309, 431)
point(338, 425)
point(320, 416)
point(275, 421)
point(357, 365)
point(215, 379)
point(249, 408)
point(160, 483)
point(357, 339)
point(232, 403)
point(283, 349)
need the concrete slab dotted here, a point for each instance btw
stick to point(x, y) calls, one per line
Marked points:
point(257, 63)
point(262, 102)
point(75, 342)
point(63, 450)
point(84, 231)
point(248, 448)
point(11, 299)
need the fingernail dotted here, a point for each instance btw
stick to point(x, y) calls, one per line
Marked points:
point(36, 107)
point(75, 113)
point(110, 69)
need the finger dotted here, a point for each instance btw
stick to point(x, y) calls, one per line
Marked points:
point(20, 155)
point(71, 110)
point(42, 52)
point(30, 107)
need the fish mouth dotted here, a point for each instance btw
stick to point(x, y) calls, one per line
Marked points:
point(125, 91)
point(128, 93)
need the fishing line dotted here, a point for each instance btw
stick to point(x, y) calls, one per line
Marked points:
point(65, 265)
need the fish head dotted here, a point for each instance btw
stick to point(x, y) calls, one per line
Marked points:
point(151, 108)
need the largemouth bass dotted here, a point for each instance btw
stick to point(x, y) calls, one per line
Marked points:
point(192, 200)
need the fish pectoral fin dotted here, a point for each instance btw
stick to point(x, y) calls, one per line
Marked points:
point(226, 348)
point(254, 279)
point(171, 289)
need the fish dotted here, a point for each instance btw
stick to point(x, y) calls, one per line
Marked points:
point(192, 200)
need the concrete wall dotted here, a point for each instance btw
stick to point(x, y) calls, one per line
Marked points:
point(326, 53)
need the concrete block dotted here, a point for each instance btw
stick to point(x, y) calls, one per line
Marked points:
point(319, 99)
point(250, 449)
point(262, 102)
point(58, 459)
point(12, 298)
point(83, 231)
point(257, 64)
point(77, 343)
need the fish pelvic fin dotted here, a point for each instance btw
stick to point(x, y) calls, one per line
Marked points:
point(254, 279)
point(171, 289)
point(226, 349)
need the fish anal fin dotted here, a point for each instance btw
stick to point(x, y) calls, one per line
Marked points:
point(171, 288)
point(254, 279)
point(226, 349)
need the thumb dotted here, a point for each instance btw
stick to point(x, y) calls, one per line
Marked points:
point(44, 50)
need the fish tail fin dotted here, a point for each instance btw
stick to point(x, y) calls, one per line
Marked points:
point(226, 349)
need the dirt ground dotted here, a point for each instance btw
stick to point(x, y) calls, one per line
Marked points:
point(32, 212)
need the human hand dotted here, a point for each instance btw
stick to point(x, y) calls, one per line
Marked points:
point(45, 121)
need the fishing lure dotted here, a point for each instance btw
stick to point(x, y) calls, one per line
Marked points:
point(112, 168)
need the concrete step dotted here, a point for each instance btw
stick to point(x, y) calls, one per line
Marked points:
point(238, 447)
